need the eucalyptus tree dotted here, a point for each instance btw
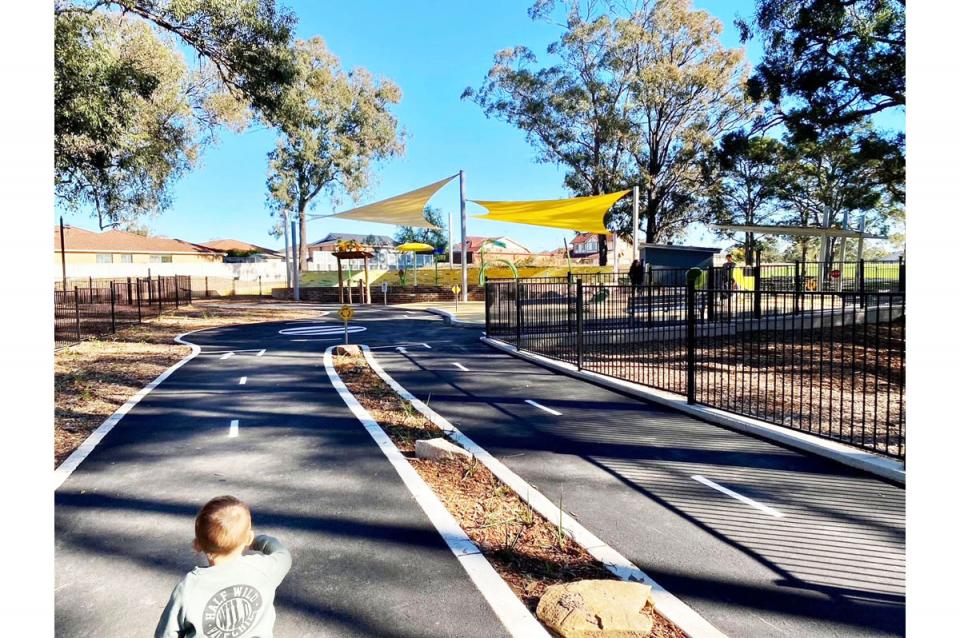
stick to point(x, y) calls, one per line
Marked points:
point(335, 125)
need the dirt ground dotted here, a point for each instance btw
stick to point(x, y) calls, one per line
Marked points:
point(95, 377)
point(527, 551)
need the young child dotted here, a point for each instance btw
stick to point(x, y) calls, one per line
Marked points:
point(233, 597)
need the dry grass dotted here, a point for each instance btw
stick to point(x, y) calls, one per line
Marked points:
point(528, 552)
point(95, 377)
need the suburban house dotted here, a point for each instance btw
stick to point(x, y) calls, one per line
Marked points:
point(383, 247)
point(82, 247)
point(241, 252)
point(498, 247)
point(585, 249)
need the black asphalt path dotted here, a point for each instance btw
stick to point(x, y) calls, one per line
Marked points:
point(832, 565)
point(366, 561)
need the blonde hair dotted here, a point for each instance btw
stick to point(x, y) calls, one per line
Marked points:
point(223, 525)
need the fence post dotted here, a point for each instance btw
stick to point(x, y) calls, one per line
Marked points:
point(176, 290)
point(139, 300)
point(711, 277)
point(260, 283)
point(189, 290)
point(206, 287)
point(76, 305)
point(756, 285)
point(129, 292)
point(901, 274)
point(797, 286)
point(487, 297)
point(692, 276)
point(861, 282)
point(518, 306)
point(159, 295)
point(113, 308)
point(570, 320)
point(579, 324)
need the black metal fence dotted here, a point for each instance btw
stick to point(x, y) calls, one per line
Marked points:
point(94, 307)
point(826, 363)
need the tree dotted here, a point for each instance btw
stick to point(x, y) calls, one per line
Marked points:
point(829, 63)
point(743, 174)
point(826, 182)
point(634, 98)
point(336, 125)
point(436, 237)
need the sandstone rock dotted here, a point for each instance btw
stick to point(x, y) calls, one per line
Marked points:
point(347, 350)
point(439, 450)
point(596, 609)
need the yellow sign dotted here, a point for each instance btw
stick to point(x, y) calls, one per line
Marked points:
point(455, 289)
point(346, 313)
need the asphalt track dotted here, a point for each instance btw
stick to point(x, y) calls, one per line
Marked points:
point(367, 561)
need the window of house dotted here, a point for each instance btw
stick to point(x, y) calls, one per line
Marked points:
point(124, 259)
point(104, 258)
point(161, 259)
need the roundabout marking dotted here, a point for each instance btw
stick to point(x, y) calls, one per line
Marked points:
point(319, 330)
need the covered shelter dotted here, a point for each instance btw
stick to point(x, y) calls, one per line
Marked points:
point(416, 248)
point(353, 251)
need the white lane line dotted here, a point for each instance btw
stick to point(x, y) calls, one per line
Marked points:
point(516, 618)
point(401, 350)
point(426, 345)
point(740, 497)
point(243, 381)
point(227, 355)
point(461, 366)
point(234, 429)
point(543, 407)
point(260, 354)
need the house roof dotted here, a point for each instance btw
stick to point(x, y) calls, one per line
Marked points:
point(475, 242)
point(236, 244)
point(375, 240)
point(80, 240)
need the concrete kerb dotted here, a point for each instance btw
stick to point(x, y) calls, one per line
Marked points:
point(516, 618)
point(450, 319)
point(874, 464)
point(671, 607)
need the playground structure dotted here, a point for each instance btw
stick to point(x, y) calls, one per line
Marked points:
point(353, 250)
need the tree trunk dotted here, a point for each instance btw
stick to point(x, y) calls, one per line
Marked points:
point(304, 252)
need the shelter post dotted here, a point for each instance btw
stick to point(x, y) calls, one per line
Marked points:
point(463, 236)
point(450, 240)
point(339, 280)
point(366, 278)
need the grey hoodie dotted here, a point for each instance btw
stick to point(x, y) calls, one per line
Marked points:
point(232, 600)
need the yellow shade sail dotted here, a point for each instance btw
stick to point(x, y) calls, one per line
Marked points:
point(414, 247)
point(401, 210)
point(584, 214)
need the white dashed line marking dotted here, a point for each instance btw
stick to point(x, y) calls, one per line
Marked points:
point(461, 366)
point(260, 354)
point(544, 408)
point(234, 429)
point(740, 497)
point(426, 345)
point(243, 381)
point(227, 355)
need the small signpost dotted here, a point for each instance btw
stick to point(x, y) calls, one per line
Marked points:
point(384, 287)
point(346, 314)
point(456, 296)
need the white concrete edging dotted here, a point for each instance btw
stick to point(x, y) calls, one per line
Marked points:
point(880, 466)
point(65, 469)
point(451, 319)
point(668, 605)
point(514, 615)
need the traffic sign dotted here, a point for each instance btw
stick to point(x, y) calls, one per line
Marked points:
point(346, 313)
point(456, 289)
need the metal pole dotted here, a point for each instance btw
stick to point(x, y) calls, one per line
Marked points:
point(139, 301)
point(516, 284)
point(450, 240)
point(113, 309)
point(861, 282)
point(636, 222)
point(579, 324)
point(691, 337)
point(176, 290)
point(901, 274)
point(711, 277)
point(757, 302)
point(296, 262)
point(463, 235)
point(63, 257)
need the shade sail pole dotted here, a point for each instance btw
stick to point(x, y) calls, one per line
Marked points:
point(636, 223)
point(463, 236)
point(450, 240)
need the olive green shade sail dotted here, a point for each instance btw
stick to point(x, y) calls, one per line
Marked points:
point(405, 209)
point(584, 214)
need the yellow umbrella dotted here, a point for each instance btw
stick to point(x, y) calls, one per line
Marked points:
point(414, 247)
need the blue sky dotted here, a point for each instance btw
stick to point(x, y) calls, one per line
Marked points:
point(432, 51)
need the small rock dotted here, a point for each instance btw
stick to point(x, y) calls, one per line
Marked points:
point(348, 350)
point(596, 609)
point(439, 450)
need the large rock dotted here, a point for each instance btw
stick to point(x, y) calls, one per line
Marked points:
point(596, 608)
point(439, 450)
point(348, 350)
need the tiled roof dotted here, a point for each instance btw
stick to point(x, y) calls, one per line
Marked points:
point(236, 244)
point(78, 239)
point(377, 240)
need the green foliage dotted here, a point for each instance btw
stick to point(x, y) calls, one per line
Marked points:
point(435, 237)
point(829, 63)
point(335, 125)
point(637, 97)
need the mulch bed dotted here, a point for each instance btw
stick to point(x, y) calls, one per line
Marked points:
point(528, 552)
